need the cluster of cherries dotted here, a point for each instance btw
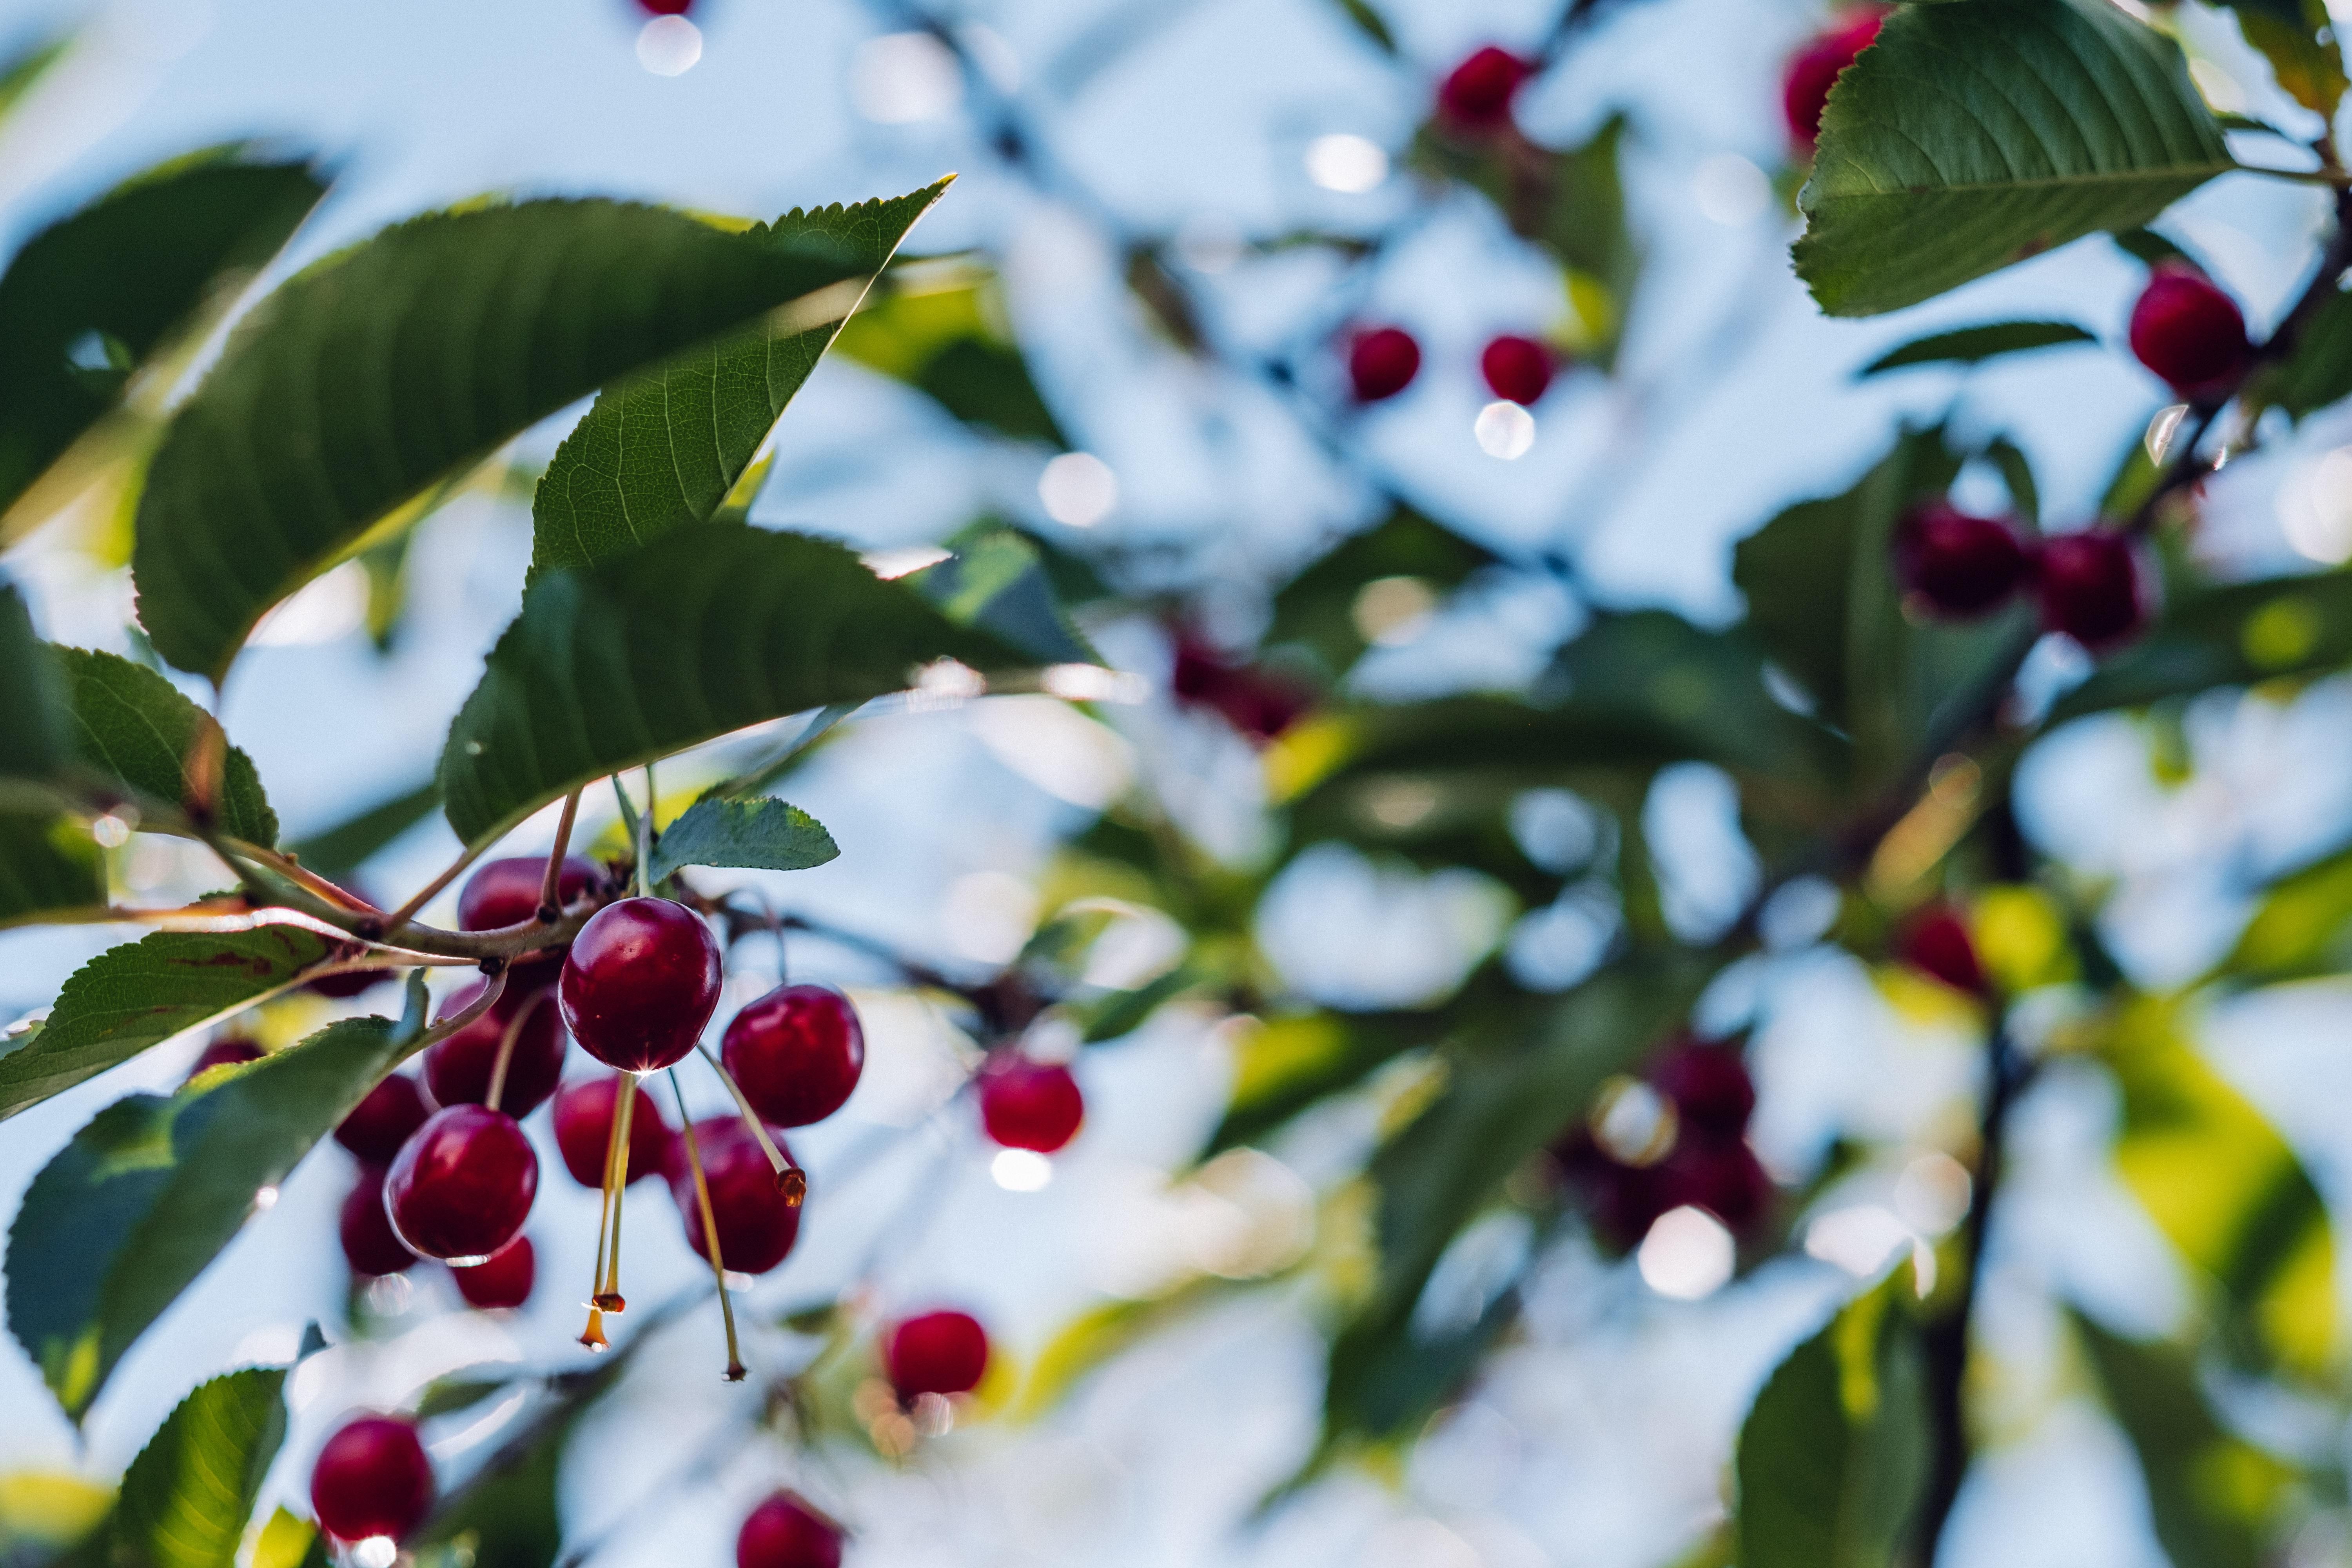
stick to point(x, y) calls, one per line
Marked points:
point(374, 1481)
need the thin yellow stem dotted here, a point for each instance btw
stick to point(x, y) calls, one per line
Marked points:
point(625, 1107)
point(710, 1232)
point(789, 1179)
point(646, 837)
point(507, 1046)
point(594, 1337)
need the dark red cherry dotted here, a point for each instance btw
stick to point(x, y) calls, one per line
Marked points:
point(1805, 91)
point(342, 987)
point(2190, 333)
point(796, 1053)
point(1518, 369)
point(757, 1223)
point(1477, 94)
point(458, 1069)
point(1026, 1104)
point(665, 7)
point(462, 1185)
point(504, 1279)
point(1935, 941)
point(1382, 363)
point(370, 1245)
point(936, 1353)
point(1709, 1086)
point(380, 1123)
point(372, 1478)
point(787, 1531)
point(641, 982)
point(2095, 589)
point(502, 893)
point(1954, 565)
point(1258, 702)
point(230, 1051)
point(583, 1129)
point(1721, 1175)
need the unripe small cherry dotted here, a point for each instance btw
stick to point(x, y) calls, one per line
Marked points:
point(1518, 369)
point(1709, 1086)
point(2094, 588)
point(1477, 94)
point(502, 893)
point(758, 1221)
point(935, 1353)
point(2190, 333)
point(641, 981)
point(229, 1050)
point(462, 1185)
point(1029, 1104)
point(1954, 565)
point(1382, 363)
point(1814, 69)
point(796, 1053)
point(787, 1531)
point(381, 1122)
point(583, 1131)
point(372, 1478)
point(370, 1245)
point(503, 1280)
point(1935, 941)
point(458, 1070)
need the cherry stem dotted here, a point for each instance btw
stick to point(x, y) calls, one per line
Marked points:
point(460, 1019)
point(423, 895)
point(709, 1231)
point(624, 1115)
point(551, 888)
point(507, 1046)
point(789, 1176)
point(645, 837)
point(605, 1215)
point(294, 871)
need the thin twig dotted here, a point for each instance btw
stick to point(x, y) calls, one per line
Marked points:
point(789, 1179)
point(551, 889)
point(450, 873)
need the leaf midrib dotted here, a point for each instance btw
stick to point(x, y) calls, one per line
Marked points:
point(2165, 172)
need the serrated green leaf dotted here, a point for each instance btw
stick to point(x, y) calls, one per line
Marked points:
point(1974, 345)
point(712, 628)
point(2236, 635)
point(336, 852)
point(50, 868)
point(134, 728)
point(118, 279)
point(1970, 137)
point(664, 449)
point(405, 360)
point(996, 582)
point(757, 834)
point(187, 1496)
point(33, 704)
point(1832, 1453)
point(145, 1195)
point(130, 998)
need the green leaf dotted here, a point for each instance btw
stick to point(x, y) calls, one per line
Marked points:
point(132, 997)
point(2232, 636)
point(136, 729)
point(406, 360)
point(1970, 137)
point(1833, 1452)
point(289, 1542)
point(92, 296)
point(758, 834)
point(446, 1396)
point(50, 868)
point(21, 72)
point(939, 330)
point(713, 628)
point(1369, 23)
point(130, 1211)
point(997, 582)
point(2208, 1492)
point(336, 852)
point(2318, 370)
point(2298, 929)
point(33, 703)
point(664, 449)
point(1973, 345)
point(2298, 38)
point(1318, 608)
point(187, 1496)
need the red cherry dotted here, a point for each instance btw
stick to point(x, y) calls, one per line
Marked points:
point(936, 1353)
point(583, 1130)
point(502, 893)
point(1956, 566)
point(228, 1051)
point(2094, 588)
point(504, 1279)
point(1382, 363)
point(343, 987)
point(1805, 91)
point(1935, 941)
point(2192, 333)
point(1258, 702)
point(1708, 1085)
point(462, 1185)
point(757, 1223)
point(641, 982)
point(1721, 1175)
point(458, 1069)
point(372, 1478)
point(1030, 1105)
point(786, 1531)
point(1477, 94)
point(380, 1123)
point(665, 8)
point(370, 1245)
point(1518, 369)
point(796, 1053)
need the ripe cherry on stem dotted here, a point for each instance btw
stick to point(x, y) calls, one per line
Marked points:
point(505, 893)
point(380, 1123)
point(1956, 566)
point(708, 1232)
point(372, 1478)
point(1028, 1104)
point(584, 1131)
point(521, 1026)
point(1518, 369)
point(935, 1353)
point(796, 1053)
point(230, 1051)
point(757, 1223)
point(2189, 332)
point(640, 982)
point(2094, 588)
point(1382, 363)
point(503, 1280)
point(787, 1531)
point(1814, 69)
point(462, 1185)
point(1477, 95)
